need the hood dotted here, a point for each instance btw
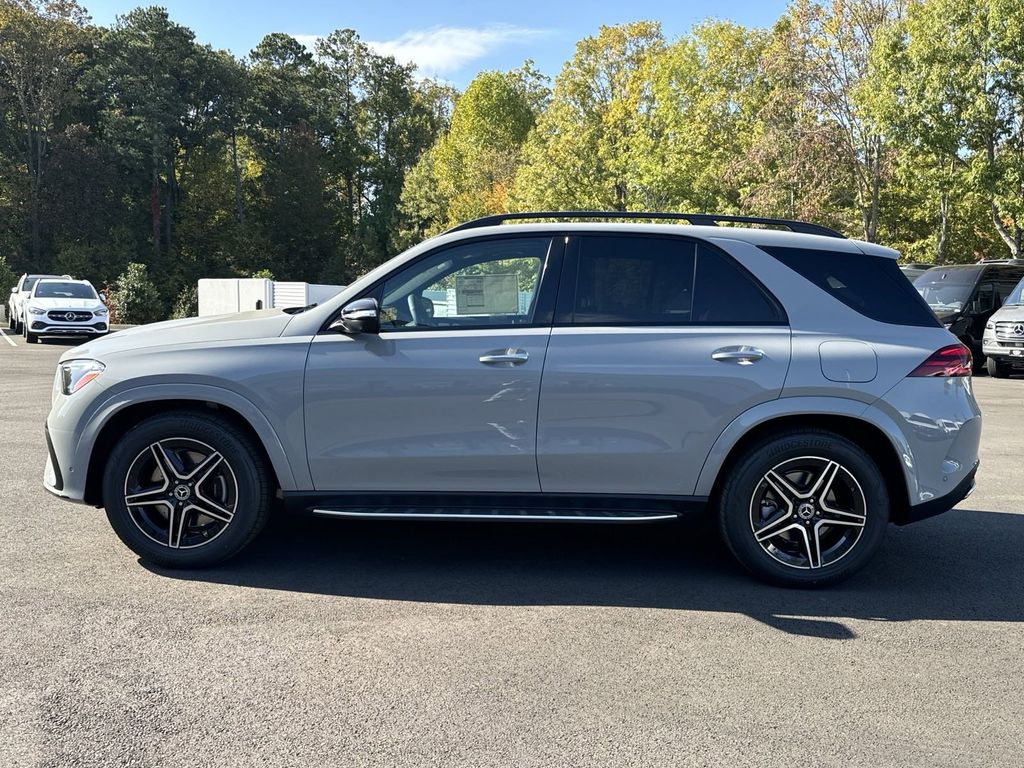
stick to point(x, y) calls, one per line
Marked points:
point(1011, 312)
point(260, 324)
point(58, 302)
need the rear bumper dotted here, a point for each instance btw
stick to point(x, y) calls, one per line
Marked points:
point(942, 504)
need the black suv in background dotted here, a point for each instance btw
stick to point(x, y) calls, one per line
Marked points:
point(965, 296)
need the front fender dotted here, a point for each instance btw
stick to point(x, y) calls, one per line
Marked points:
point(806, 406)
point(268, 436)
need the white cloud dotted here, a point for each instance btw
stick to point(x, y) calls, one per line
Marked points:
point(444, 50)
point(440, 51)
point(308, 41)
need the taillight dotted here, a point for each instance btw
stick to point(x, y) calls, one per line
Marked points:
point(954, 360)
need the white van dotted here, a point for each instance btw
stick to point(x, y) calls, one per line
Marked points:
point(1003, 343)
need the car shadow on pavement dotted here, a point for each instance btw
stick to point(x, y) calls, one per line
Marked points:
point(965, 565)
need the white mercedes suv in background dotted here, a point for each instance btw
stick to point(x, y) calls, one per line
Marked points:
point(61, 307)
point(19, 294)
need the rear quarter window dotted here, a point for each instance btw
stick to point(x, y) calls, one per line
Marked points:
point(870, 285)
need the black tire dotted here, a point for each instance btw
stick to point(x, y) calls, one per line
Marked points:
point(19, 327)
point(747, 501)
point(200, 544)
point(997, 369)
point(11, 325)
point(31, 338)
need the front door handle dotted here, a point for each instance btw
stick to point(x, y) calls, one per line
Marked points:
point(742, 355)
point(507, 356)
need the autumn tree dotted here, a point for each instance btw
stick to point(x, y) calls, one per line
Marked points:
point(582, 151)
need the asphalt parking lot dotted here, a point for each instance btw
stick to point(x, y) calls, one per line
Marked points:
point(331, 643)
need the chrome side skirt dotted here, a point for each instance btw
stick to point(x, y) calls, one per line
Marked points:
point(531, 515)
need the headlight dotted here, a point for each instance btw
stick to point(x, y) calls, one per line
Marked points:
point(36, 311)
point(990, 326)
point(75, 374)
point(100, 312)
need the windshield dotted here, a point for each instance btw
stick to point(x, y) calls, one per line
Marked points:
point(946, 291)
point(47, 290)
point(1014, 299)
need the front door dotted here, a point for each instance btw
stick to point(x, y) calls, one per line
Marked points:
point(445, 397)
point(660, 342)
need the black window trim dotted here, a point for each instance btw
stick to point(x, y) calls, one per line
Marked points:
point(548, 282)
point(566, 302)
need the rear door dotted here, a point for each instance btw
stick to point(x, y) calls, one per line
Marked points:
point(659, 343)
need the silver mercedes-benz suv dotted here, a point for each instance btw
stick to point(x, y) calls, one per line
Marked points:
point(787, 380)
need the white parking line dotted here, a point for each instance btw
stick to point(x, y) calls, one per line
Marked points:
point(7, 338)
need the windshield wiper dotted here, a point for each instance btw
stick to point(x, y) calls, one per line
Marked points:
point(299, 310)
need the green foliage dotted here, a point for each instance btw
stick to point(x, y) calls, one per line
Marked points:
point(262, 274)
point(468, 171)
point(187, 303)
point(135, 298)
point(893, 120)
point(7, 276)
point(582, 152)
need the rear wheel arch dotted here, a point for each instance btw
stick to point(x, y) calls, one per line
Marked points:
point(868, 436)
point(124, 419)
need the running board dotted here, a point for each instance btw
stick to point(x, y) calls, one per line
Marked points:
point(504, 513)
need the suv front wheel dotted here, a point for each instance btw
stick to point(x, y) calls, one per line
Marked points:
point(186, 490)
point(804, 508)
point(997, 369)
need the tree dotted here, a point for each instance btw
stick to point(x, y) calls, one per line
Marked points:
point(704, 93)
point(135, 298)
point(582, 151)
point(837, 41)
point(160, 94)
point(41, 52)
point(469, 170)
point(789, 167)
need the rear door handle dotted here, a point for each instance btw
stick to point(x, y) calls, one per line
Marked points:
point(507, 356)
point(741, 355)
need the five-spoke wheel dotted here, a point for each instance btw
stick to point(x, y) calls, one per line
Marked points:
point(181, 492)
point(808, 512)
point(804, 508)
point(186, 489)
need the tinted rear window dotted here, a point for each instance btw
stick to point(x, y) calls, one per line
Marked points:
point(666, 281)
point(871, 285)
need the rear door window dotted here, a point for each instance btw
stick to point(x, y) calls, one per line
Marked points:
point(635, 280)
point(870, 285)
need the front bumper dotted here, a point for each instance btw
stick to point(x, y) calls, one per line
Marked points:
point(59, 475)
point(1011, 352)
point(46, 327)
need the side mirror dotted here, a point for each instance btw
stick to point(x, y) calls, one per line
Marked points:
point(103, 297)
point(14, 290)
point(361, 316)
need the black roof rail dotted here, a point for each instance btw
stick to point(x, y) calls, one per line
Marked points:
point(700, 219)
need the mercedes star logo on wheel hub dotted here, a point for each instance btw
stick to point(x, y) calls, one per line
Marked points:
point(182, 492)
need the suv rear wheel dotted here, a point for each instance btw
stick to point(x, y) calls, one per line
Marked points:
point(804, 508)
point(186, 490)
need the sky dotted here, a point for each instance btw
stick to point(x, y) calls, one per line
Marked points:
point(448, 39)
